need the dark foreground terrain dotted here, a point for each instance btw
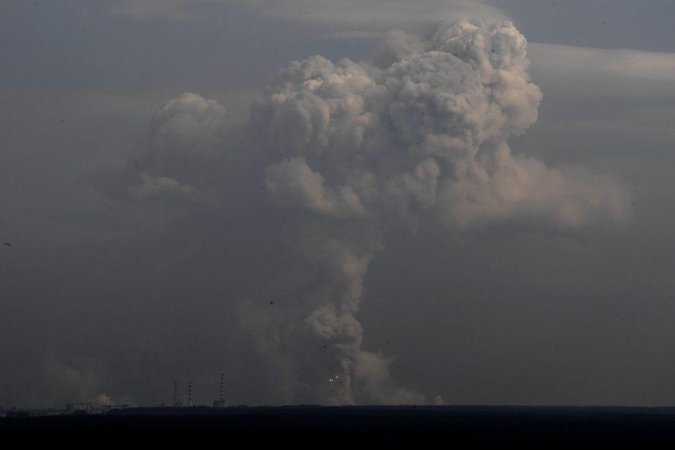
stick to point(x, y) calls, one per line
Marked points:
point(446, 425)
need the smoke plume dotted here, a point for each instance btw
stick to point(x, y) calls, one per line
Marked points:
point(342, 152)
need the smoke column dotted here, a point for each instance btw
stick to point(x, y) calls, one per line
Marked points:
point(345, 151)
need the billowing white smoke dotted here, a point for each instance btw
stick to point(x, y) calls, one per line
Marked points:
point(347, 149)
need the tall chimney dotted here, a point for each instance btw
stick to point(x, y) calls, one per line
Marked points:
point(222, 388)
point(189, 393)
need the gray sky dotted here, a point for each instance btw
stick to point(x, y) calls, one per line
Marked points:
point(150, 236)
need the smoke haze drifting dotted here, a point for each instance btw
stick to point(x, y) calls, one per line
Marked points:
point(341, 154)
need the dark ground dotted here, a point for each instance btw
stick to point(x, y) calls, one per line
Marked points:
point(322, 426)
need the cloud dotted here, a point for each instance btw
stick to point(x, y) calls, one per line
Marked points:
point(433, 114)
point(293, 183)
point(354, 15)
point(525, 189)
point(373, 13)
point(616, 99)
point(633, 72)
point(77, 381)
point(184, 130)
point(178, 10)
point(337, 153)
point(154, 187)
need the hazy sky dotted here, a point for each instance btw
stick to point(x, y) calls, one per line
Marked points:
point(471, 212)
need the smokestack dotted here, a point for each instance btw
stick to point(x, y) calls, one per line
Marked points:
point(221, 403)
point(176, 403)
point(189, 393)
